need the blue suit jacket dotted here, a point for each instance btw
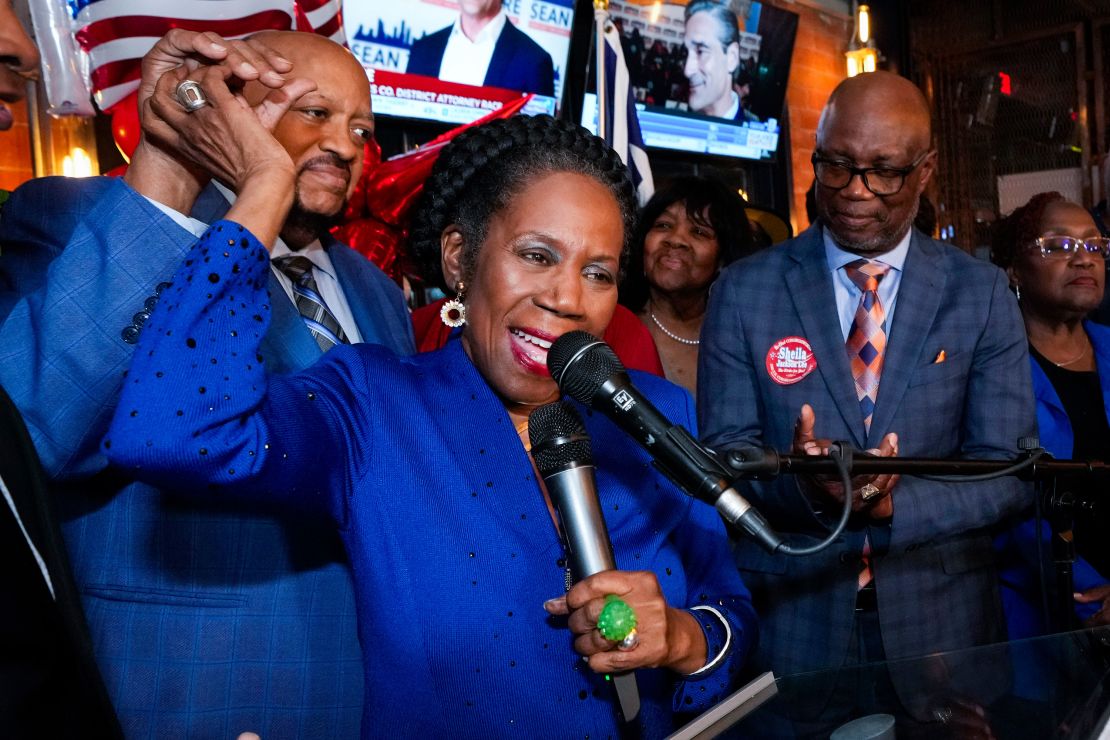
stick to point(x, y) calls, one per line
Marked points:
point(1020, 568)
point(518, 62)
point(206, 619)
point(936, 581)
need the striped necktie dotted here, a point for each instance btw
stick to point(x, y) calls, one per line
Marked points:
point(320, 321)
point(866, 343)
point(866, 346)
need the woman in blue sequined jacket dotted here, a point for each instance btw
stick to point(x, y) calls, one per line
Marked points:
point(422, 462)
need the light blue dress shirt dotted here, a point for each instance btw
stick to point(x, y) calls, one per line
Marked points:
point(848, 294)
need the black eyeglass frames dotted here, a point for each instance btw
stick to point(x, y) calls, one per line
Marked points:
point(882, 181)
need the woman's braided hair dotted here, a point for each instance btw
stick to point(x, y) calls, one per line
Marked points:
point(480, 171)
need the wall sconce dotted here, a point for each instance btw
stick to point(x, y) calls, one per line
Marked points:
point(862, 56)
point(77, 163)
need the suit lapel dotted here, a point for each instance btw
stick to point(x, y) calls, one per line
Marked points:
point(503, 52)
point(809, 286)
point(288, 345)
point(1102, 359)
point(210, 205)
point(919, 296)
point(366, 305)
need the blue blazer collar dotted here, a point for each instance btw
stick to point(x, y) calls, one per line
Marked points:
point(810, 288)
point(210, 205)
point(809, 285)
point(374, 308)
point(919, 295)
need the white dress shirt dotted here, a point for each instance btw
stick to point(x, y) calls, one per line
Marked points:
point(468, 61)
point(323, 272)
point(733, 108)
point(848, 293)
point(190, 224)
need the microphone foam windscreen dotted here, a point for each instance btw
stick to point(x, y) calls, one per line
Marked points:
point(558, 438)
point(580, 363)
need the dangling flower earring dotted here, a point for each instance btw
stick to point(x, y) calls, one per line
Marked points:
point(453, 312)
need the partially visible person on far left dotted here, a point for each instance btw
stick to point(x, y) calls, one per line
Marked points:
point(49, 683)
point(20, 62)
point(691, 229)
point(422, 463)
point(1056, 260)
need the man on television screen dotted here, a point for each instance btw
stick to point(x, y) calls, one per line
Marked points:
point(483, 48)
point(712, 39)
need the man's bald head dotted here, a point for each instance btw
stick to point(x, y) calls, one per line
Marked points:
point(881, 94)
point(879, 123)
point(300, 47)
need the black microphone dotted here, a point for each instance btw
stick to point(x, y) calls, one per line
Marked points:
point(561, 450)
point(588, 371)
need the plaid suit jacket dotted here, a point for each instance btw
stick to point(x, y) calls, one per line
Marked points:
point(936, 582)
point(207, 619)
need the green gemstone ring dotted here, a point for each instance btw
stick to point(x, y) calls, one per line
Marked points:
point(617, 619)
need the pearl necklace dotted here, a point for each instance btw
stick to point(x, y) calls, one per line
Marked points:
point(669, 333)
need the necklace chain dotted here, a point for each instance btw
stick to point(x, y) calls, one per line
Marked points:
point(671, 334)
point(1075, 359)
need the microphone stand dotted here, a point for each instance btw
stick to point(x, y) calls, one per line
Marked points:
point(1034, 464)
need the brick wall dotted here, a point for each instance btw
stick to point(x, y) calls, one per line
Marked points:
point(15, 151)
point(816, 68)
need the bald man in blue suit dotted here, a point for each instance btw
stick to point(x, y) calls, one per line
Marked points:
point(954, 383)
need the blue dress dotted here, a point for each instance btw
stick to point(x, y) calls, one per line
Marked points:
point(415, 459)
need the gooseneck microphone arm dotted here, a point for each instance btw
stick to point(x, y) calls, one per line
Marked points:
point(758, 463)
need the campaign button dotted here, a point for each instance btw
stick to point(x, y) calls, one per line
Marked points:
point(789, 360)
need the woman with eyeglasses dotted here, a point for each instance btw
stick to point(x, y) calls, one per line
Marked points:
point(1056, 260)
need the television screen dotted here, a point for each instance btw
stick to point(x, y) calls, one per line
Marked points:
point(454, 61)
point(709, 77)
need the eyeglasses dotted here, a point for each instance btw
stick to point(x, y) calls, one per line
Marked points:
point(882, 181)
point(1066, 247)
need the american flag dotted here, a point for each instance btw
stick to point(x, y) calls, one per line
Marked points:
point(623, 126)
point(117, 33)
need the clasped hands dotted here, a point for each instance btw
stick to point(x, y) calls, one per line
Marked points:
point(248, 87)
point(871, 494)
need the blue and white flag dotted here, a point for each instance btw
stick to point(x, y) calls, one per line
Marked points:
point(623, 127)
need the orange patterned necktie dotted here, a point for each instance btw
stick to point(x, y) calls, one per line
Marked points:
point(866, 346)
point(867, 339)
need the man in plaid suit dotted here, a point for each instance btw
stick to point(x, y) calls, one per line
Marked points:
point(863, 329)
